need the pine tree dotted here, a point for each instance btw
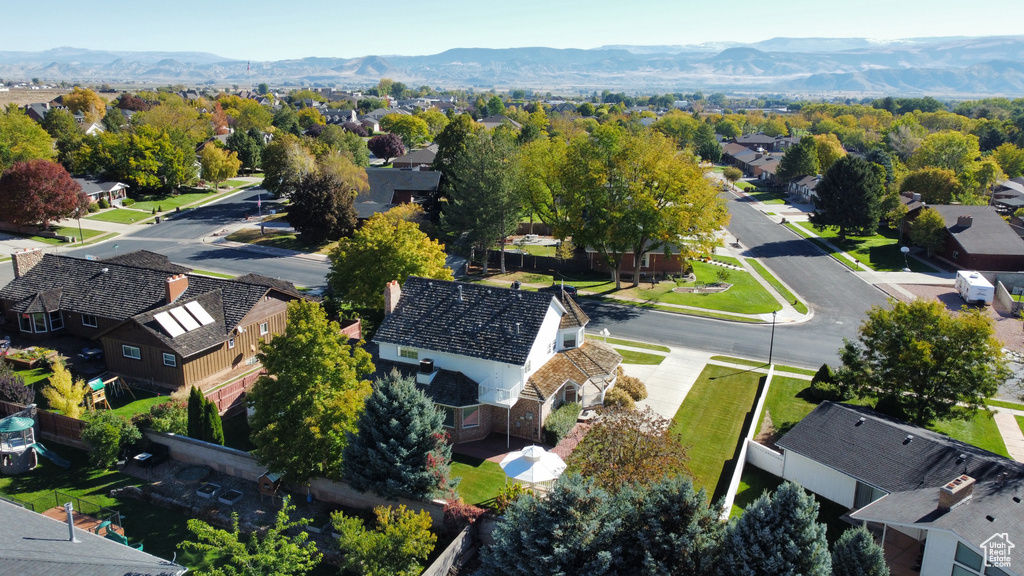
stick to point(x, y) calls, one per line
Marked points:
point(195, 414)
point(213, 429)
point(857, 554)
point(849, 197)
point(777, 534)
point(400, 448)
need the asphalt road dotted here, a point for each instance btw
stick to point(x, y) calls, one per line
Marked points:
point(838, 297)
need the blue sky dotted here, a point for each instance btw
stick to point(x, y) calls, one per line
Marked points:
point(276, 30)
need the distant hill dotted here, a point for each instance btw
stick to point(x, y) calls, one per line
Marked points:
point(936, 66)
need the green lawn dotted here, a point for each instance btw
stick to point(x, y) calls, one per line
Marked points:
point(756, 364)
point(213, 274)
point(746, 296)
point(1020, 422)
point(880, 252)
point(771, 279)
point(745, 185)
point(158, 529)
point(278, 239)
point(635, 344)
point(38, 374)
point(980, 431)
point(768, 197)
point(1004, 404)
point(710, 424)
point(167, 202)
point(530, 249)
point(72, 231)
point(128, 405)
point(120, 216)
point(481, 479)
point(634, 357)
point(755, 482)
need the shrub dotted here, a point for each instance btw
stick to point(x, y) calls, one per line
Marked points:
point(170, 417)
point(633, 386)
point(92, 208)
point(104, 203)
point(560, 422)
point(159, 208)
point(153, 212)
point(824, 385)
point(723, 275)
point(109, 436)
point(618, 398)
point(508, 494)
point(13, 388)
point(458, 515)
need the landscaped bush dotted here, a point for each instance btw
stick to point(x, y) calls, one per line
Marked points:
point(170, 417)
point(127, 202)
point(560, 422)
point(104, 203)
point(12, 387)
point(824, 386)
point(109, 437)
point(508, 494)
point(92, 208)
point(636, 389)
point(458, 515)
point(619, 398)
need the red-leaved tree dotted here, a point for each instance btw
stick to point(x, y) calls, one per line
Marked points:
point(386, 146)
point(38, 191)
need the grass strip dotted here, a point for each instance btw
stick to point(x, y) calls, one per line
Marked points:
point(756, 364)
point(1020, 422)
point(779, 287)
point(634, 357)
point(1004, 404)
point(213, 274)
point(644, 345)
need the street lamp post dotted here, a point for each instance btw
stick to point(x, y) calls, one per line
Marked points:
point(905, 250)
point(115, 249)
point(771, 345)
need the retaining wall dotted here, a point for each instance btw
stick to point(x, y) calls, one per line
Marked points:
point(452, 555)
point(1005, 300)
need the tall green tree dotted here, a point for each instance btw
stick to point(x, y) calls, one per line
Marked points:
point(287, 120)
point(924, 362)
point(341, 140)
point(849, 197)
point(396, 546)
point(413, 130)
point(213, 428)
point(310, 399)
point(777, 535)
point(383, 249)
point(800, 160)
point(484, 205)
point(249, 147)
point(323, 203)
point(196, 401)
point(266, 553)
point(67, 135)
point(935, 185)
point(286, 162)
point(400, 448)
point(218, 164)
point(857, 554)
point(108, 436)
point(22, 139)
point(705, 144)
point(929, 230)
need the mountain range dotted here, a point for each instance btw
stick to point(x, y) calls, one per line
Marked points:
point(950, 66)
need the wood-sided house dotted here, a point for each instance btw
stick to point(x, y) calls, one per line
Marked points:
point(155, 320)
point(494, 359)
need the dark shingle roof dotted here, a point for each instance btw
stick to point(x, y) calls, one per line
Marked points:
point(876, 451)
point(449, 388)
point(384, 182)
point(94, 185)
point(193, 341)
point(970, 519)
point(420, 156)
point(149, 260)
point(497, 324)
point(988, 233)
point(260, 280)
point(755, 139)
point(34, 545)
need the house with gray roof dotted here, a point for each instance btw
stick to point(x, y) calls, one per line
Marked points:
point(946, 494)
point(96, 190)
point(35, 545)
point(419, 159)
point(977, 238)
point(495, 359)
point(390, 187)
point(492, 122)
point(156, 321)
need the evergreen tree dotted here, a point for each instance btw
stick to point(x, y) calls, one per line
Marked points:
point(849, 197)
point(213, 429)
point(195, 414)
point(857, 554)
point(777, 535)
point(800, 160)
point(400, 447)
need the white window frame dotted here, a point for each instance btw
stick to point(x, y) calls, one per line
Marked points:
point(36, 325)
point(173, 360)
point(59, 324)
point(95, 321)
point(264, 328)
point(25, 322)
point(126, 348)
point(231, 343)
point(645, 261)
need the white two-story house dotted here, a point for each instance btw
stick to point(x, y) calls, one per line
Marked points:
point(495, 359)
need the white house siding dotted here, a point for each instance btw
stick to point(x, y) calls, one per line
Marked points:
point(820, 479)
point(939, 552)
point(486, 372)
point(546, 335)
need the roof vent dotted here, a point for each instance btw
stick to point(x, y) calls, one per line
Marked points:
point(1016, 499)
point(990, 518)
point(460, 292)
point(961, 458)
point(861, 421)
point(105, 270)
point(908, 439)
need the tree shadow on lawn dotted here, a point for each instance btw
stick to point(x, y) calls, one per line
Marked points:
point(722, 487)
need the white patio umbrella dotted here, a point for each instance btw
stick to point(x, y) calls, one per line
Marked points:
point(532, 465)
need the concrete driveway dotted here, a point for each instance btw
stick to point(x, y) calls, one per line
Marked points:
point(668, 382)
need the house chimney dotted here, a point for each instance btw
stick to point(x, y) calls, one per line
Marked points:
point(955, 492)
point(176, 286)
point(392, 293)
point(426, 372)
point(25, 260)
point(964, 221)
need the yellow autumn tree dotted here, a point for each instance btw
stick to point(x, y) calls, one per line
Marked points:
point(63, 393)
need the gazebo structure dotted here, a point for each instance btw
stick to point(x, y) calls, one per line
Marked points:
point(17, 440)
point(533, 466)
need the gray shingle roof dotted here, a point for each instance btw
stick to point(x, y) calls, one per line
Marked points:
point(449, 388)
point(148, 259)
point(34, 545)
point(876, 451)
point(497, 324)
point(969, 519)
point(988, 234)
point(384, 182)
point(193, 341)
point(94, 185)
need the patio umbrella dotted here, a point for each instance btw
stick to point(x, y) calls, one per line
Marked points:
point(532, 465)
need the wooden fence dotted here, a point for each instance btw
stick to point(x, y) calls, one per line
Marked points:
point(53, 427)
point(538, 263)
point(230, 399)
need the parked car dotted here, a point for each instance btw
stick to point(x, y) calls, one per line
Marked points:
point(570, 290)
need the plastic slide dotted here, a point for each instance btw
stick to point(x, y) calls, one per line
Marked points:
point(50, 455)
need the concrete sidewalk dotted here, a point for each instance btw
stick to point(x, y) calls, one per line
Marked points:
point(1010, 431)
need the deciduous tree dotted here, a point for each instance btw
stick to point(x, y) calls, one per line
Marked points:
point(21, 139)
point(413, 130)
point(312, 396)
point(341, 140)
point(108, 435)
point(309, 117)
point(929, 230)
point(61, 125)
point(777, 534)
point(849, 197)
point(924, 361)
point(89, 103)
point(400, 449)
point(265, 553)
point(396, 546)
point(38, 192)
point(382, 250)
point(829, 150)
point(1010, 159)
point(249, 147)
point(218, 164)
point(800, 160)
point(323, 202)
point(286, 162)
point(947, 149)
point(386, 146)
point(936, 185)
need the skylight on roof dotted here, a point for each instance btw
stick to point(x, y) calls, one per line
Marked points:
point(196, 309)
point(168, 323)
point(184, 318)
